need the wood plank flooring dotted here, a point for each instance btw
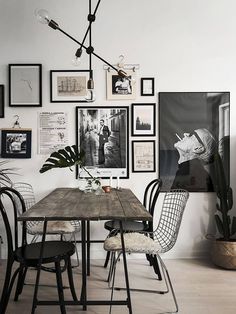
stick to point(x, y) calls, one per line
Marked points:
point(200, 288)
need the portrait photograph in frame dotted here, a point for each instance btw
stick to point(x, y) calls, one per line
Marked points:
point(68, 85)
point(143, 119)
point(119, 88)
point(16, 143)
point(193, 126)
point(2, 101)
point(143, 156)
point(147, 86)
point(103, 133)
point(25, 85)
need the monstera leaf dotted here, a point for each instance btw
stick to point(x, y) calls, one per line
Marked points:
point(64, 158)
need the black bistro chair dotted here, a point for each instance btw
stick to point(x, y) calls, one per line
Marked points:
point(30, 255)
point(151, 193)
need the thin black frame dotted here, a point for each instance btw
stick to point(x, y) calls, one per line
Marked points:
point(72, 99)
point(214, 123)
point(142, 85)
point(39, 91)
point(153, 119)
point(103, 171)
point(154, 155)
point(4, 148)
point(2, 101)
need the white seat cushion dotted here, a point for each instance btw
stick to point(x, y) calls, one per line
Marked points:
point(53, 227)
point(134, 243)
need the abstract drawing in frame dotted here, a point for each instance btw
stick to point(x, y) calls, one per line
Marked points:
point(193, 125)
point(147, 86)
point(2, 103)
point(25, 85)
point(143, 119)
point(103, 133)
point(143, 156)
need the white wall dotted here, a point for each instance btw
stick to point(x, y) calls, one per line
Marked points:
point(187, 45)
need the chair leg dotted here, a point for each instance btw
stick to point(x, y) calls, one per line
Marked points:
point(107, 259)
point(111, 268)
point(76, 251)
point(60, 287)
point(20, 282)
point(71, 281)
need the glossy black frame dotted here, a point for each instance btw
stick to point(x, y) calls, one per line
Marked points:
point(142, 83)
point(153, 119)
point(5, 154)
point(2, 101)
point(11, 88)
point(52, 97)
point(154, 155)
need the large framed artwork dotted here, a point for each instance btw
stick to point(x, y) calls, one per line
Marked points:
point(25, 85)
point(16, 143)
point(68, 85)
point(1, 101)
point(103, 133)
point(193, 126)
point(143, 156)
point(121, 88)
point(143, 119)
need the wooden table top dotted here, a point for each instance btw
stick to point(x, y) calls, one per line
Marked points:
point(73, 204)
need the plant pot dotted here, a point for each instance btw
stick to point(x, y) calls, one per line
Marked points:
point(223, 253)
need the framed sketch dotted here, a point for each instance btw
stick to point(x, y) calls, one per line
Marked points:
point(103, 133)
point(143, 119)
point(147, 86)
point(16, 143)
point(25, 85)
point(119, 88)
point(193, 125)
point(143, 156)
point(2, 101)
point(68, 85)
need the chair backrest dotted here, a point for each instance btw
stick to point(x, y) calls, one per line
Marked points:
point(171, 216)
point(26, 191)
point(11, 204)
point(151, 193)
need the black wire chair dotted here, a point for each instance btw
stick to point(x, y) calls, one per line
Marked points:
point(30, 255)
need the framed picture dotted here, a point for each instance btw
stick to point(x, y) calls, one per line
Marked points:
point(143, 119)
point(25, 85)
point(16, 143)
point(119, 88)
point(147, 86)
point(193, 125)
point(103, 133)
point(143, 156)
point(68, 85)
point(1, 101)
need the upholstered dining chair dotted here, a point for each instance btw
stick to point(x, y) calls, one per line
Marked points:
point(35, 228)
point(154, 243)
point(30, 255)
point(151, 194)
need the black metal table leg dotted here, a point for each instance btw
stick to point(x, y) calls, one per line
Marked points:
point(88, 248)
point(83, 297)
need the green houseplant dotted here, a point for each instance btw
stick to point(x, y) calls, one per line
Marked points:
point(224, 247)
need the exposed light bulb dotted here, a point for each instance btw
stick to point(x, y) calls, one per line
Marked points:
point(77, 60)
point(90, 97)
point(42, 16)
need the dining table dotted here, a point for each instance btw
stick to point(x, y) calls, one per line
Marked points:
point(73, 204)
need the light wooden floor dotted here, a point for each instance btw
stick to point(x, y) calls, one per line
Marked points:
point(200, 287)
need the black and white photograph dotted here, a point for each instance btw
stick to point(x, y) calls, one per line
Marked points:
point(102, 132)
point(2, 101)
point(25, 85)
point(143, 156)
point(121, 87)
point(147, 86)
point(194, 126)
point(16, 143)
point(68, 85)
point(143, 119)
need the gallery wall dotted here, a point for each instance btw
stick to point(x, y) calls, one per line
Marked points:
point(186, 45)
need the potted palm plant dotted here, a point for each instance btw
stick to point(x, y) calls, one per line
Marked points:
point(224, 247)
point(4, 174)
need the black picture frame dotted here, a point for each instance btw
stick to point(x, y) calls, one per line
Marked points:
point(143, 119)
point(147, 87)
point(108, 154)
point(2, 101)
point(69, 85)
point(16, 143)
point(144, 156)
point(180, 114)
point(25, 85)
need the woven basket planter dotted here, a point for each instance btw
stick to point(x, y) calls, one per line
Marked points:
point(223, 254)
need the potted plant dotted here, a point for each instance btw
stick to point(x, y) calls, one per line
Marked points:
point(67, 158)
point(4, 174)
point(224, 248)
